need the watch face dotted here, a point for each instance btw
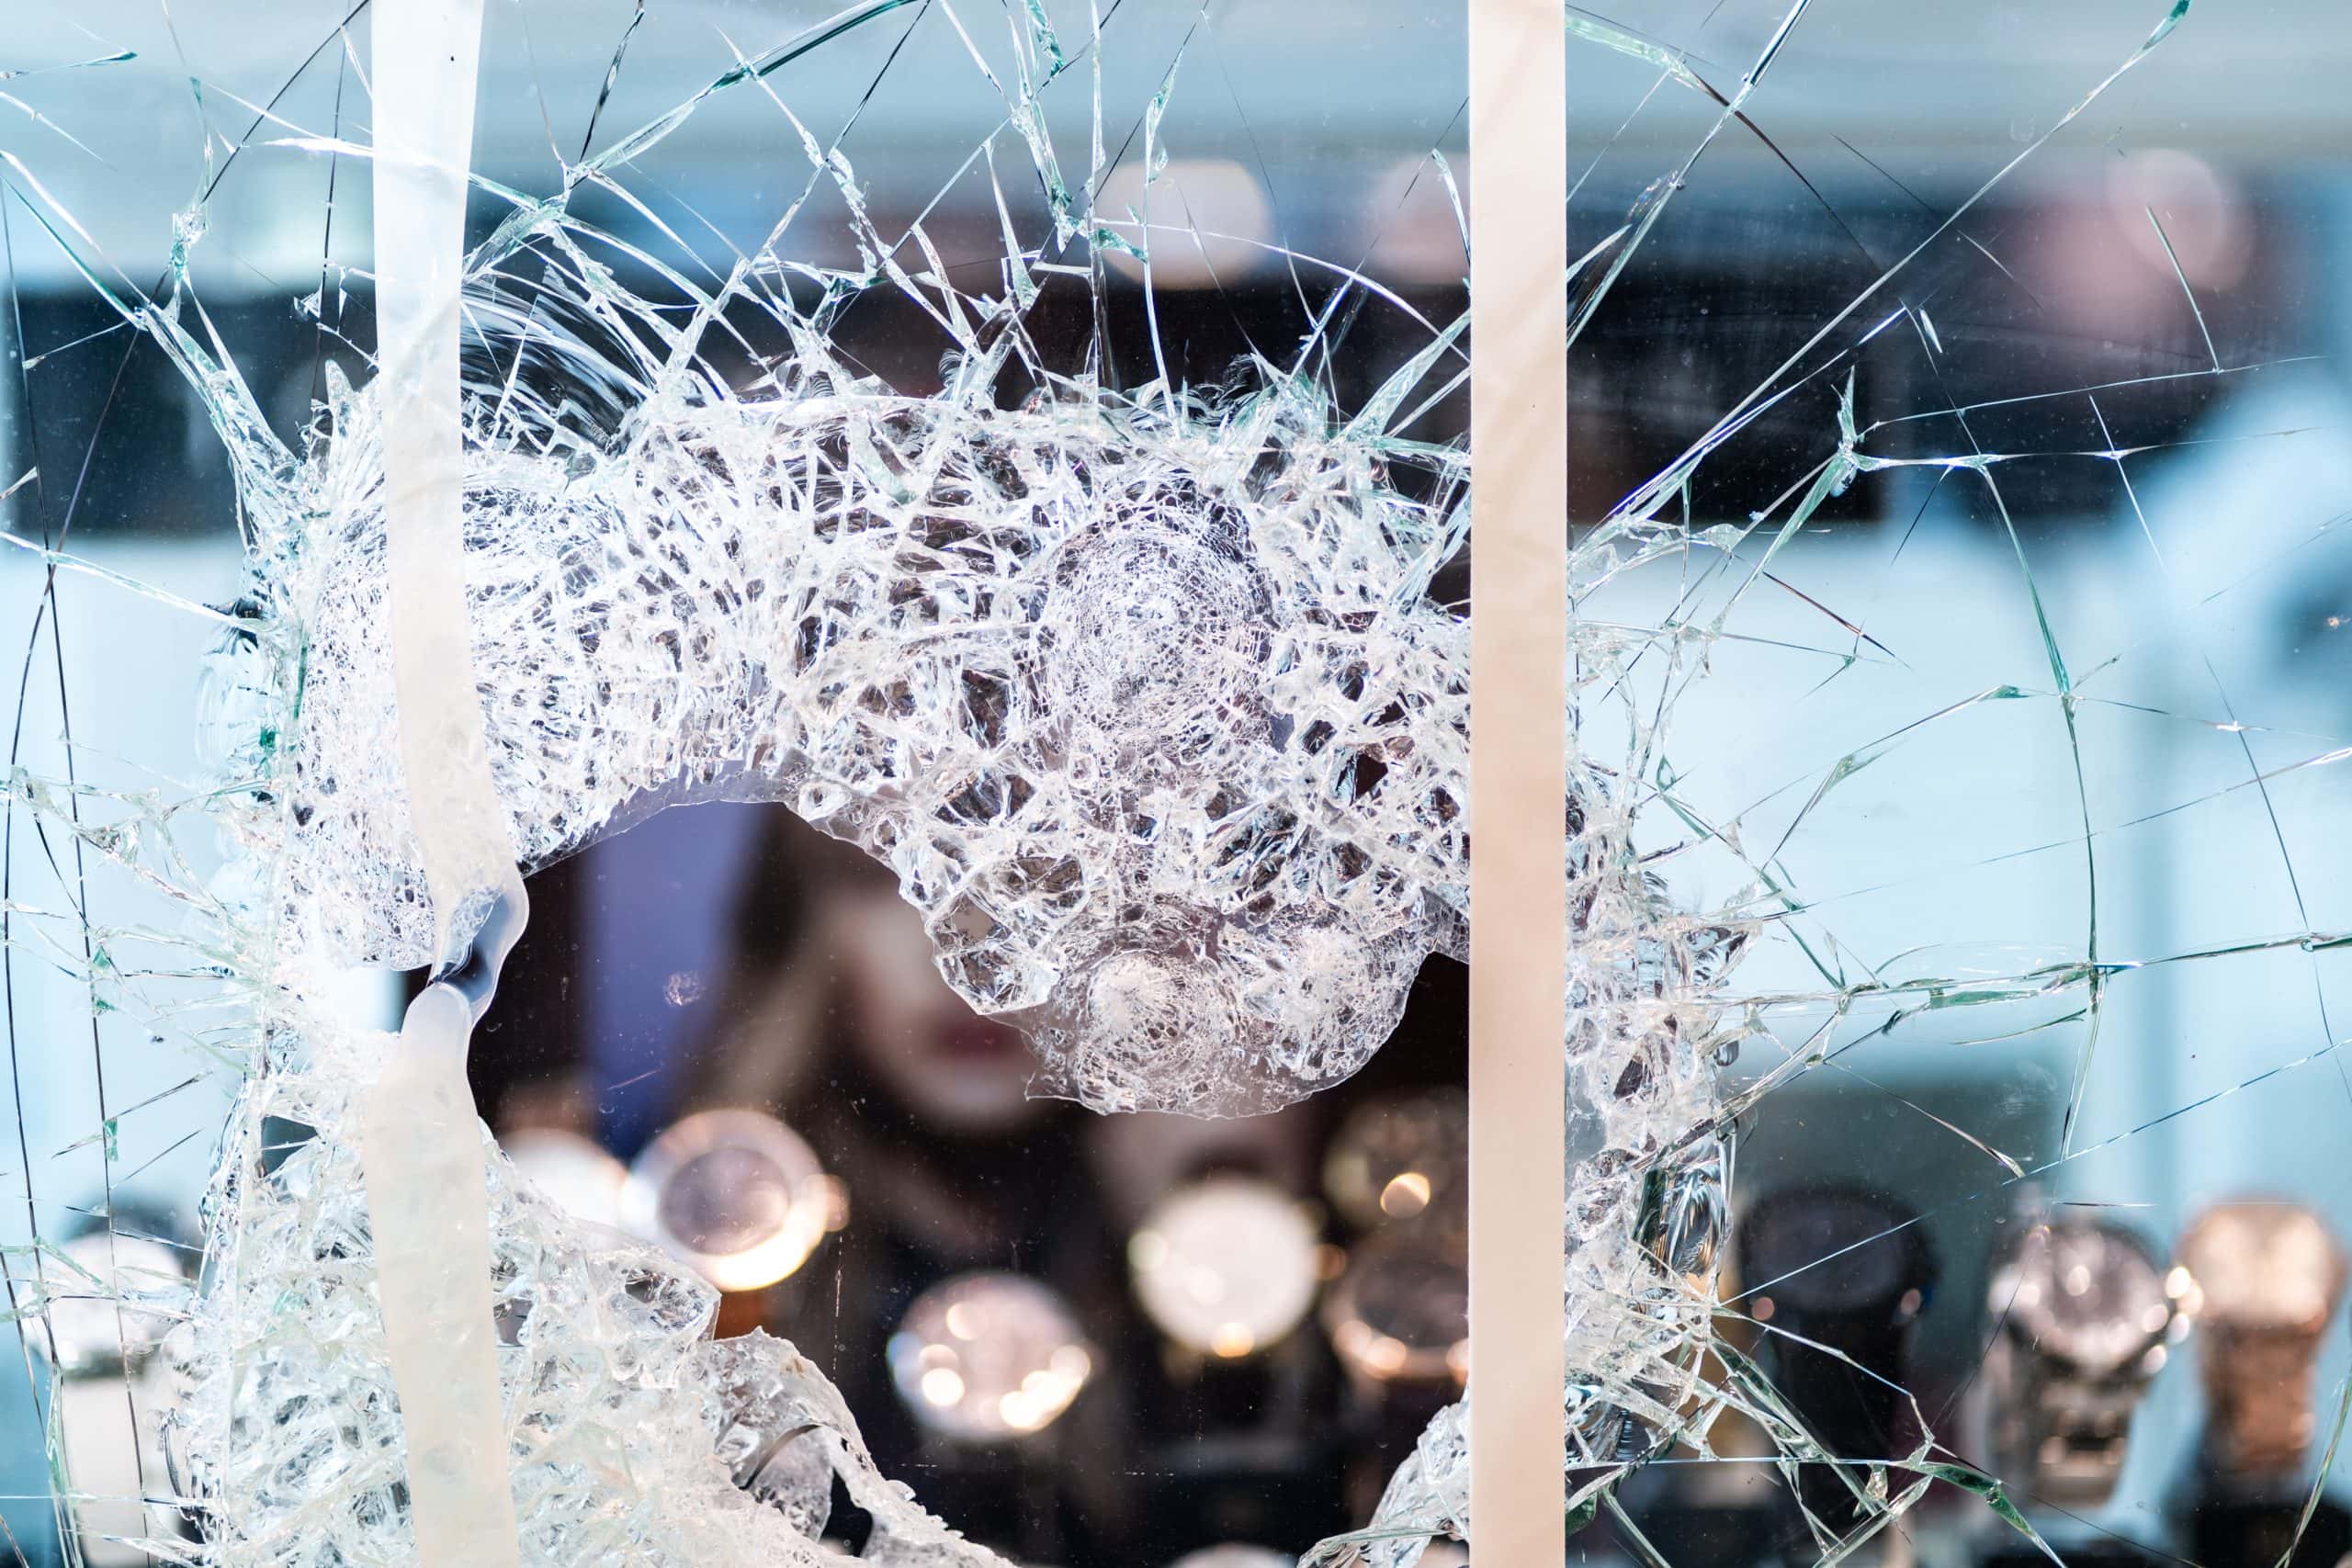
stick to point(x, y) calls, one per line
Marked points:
point(2265, 1266)
point(1226, 1266)
point(2085, 1291)
point(736, 1193)
point(988, 1358)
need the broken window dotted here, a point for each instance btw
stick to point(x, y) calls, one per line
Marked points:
point(855, 627)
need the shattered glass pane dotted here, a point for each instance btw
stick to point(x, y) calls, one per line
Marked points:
point(1026, 444)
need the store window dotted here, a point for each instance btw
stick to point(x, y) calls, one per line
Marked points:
point(741, 810)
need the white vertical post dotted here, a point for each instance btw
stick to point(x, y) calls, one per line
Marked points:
point(428, 1197)
point(1519, 437)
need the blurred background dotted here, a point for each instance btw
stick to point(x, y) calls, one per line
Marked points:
point(2036, 735)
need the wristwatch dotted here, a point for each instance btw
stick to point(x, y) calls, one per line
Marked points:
point(736, 1193)
point(1225, 1266)
point(2086, 1315)
point(2272, 1278)
point(988, 1358)
point(1848, 1271)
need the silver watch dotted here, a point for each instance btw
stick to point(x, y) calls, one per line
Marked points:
point(2087, 1314)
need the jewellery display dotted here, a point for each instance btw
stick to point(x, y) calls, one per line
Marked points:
point(1847, 1269)
point(2272, 1279)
